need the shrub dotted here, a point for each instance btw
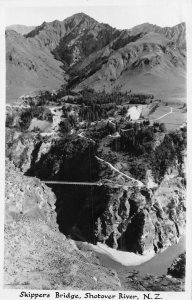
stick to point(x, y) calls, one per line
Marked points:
point(64, 127)
point(162, 127)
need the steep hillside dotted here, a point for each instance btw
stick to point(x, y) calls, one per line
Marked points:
point(29, 67)
point(142, 60)
point(146, 58)
point(37, 255)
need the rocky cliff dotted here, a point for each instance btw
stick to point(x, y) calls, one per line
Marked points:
point(134, 219)
point(22, 148)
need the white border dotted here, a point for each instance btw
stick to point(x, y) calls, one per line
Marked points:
point(14, 294)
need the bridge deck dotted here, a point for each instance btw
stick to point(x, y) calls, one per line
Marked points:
point(73, 183)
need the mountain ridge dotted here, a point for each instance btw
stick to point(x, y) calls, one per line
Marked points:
point(22, 29)
point(97, 55)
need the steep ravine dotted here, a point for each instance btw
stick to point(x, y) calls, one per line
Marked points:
point(118, 213)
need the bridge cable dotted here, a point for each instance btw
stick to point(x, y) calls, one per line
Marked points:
point(92, 216)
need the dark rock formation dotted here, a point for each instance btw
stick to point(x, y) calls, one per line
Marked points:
point(137, 282)
point(177, 269)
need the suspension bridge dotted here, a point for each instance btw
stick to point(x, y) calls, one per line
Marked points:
point(98, 183)
point(78, 183)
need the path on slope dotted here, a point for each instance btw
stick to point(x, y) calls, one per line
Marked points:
point(171, 111)
point(111, 166)
point(123, 174)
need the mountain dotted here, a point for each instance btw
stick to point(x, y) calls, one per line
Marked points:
point(22, 29)
point(73, 39)
point(146, 58)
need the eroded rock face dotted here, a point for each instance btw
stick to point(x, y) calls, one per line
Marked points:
point(20, 147)
point(134, 219)
point(36, 254)
point(27, 197)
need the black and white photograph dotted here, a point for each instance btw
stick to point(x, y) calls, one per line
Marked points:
point(96, 163)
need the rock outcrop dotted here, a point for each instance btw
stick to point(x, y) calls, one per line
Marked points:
point(137, 282)
point(26, 197)
point(20, 148)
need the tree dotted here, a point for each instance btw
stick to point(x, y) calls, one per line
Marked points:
point(162, 127)
point(123, 111)
point(64, 127)
point(9, 120)
point(36, 129)
point(155, 124)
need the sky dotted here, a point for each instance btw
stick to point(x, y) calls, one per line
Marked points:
point(120, 14)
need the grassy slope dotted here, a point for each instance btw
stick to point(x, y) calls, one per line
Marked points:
point(172, 121)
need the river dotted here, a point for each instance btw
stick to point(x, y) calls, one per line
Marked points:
point(157, 265)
